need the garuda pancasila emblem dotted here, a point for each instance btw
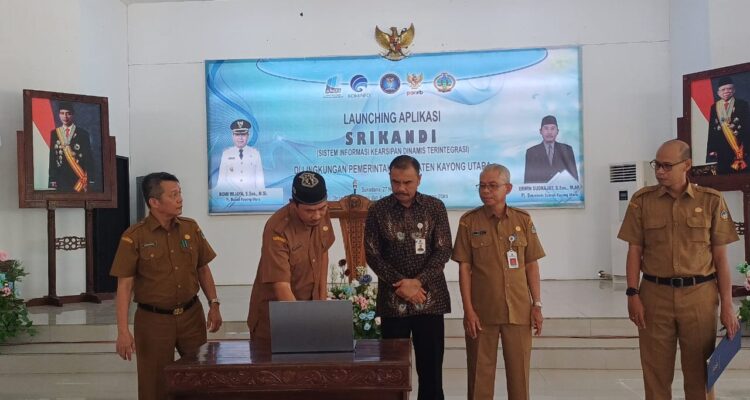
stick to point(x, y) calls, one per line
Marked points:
point(395, 44)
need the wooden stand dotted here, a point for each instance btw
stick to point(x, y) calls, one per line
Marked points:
point(52, 299)
point(733, 182)
point(351, 211)
point(31, 198)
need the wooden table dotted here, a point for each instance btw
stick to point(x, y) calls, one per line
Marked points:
point(233, 369)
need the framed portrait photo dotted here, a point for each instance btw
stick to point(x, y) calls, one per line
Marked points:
point(65, 153)
point(716, 124)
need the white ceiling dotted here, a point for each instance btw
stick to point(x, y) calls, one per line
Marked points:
point(129, 2)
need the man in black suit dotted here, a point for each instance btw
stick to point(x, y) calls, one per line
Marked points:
point(548, 158)
point(728, 141)
point(70, 157)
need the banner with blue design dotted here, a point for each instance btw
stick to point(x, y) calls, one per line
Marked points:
point(348, 117)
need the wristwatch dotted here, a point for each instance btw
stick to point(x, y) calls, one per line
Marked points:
point(538, 304)
point(214, 301)
point(631, 291)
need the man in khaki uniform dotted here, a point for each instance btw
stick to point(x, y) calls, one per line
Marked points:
point(497, 249)
point(677, 234)
point(294, 255)
point(162, 260)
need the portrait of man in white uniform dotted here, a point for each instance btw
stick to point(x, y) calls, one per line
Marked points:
point(241, 167)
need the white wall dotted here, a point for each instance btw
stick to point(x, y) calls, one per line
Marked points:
point(626, 92)
point(73, 46)
point(148, 59)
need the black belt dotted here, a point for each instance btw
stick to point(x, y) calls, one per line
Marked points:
point(680, 281)
point(174, 311)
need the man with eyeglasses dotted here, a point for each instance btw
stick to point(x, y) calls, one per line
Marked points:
point(497, 248)
point(294, 255)
point(728, 141)
point(241, 167)
point(677, 234)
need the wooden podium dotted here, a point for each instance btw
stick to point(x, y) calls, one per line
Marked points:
point(351, 211)
point(240, 369)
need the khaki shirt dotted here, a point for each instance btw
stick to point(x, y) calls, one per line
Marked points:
point(291, 252)
point(677, 233)
point(164, 263)
point(499, 294)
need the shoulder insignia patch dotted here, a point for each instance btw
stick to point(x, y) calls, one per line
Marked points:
point(520, 210)
point(127, 239)
point(708, 190)
point(279, 239)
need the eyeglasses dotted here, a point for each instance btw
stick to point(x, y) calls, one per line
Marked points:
point(490, 186)
point(665, 166)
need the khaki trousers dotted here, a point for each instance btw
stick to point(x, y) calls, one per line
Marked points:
point(156, 337)
point(481, 359)
point(687, 315)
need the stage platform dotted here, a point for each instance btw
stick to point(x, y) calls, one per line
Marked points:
point(588, 350)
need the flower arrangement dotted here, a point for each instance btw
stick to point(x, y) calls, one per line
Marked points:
point(14, 317)
point(744, 269)
point(362, 295)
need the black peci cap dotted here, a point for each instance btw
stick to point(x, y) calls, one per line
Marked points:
point(309, 188)
point(549, 120)
point(65, 105)
point(724, 80)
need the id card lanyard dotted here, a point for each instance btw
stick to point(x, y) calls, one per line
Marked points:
point(511, 254)
point(420, 243)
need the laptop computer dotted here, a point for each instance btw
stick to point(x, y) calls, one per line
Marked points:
point(311, 326)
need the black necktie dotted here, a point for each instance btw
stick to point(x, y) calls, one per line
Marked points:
point(240, 154)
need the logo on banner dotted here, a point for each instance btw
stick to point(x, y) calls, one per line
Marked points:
point(415, 82)
point(331, 89)
point(358, 83)
point(444, 82)
point(390, 83)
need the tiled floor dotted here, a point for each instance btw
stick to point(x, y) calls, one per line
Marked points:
point(562, 299)
point(546, 384)
point(601, 302)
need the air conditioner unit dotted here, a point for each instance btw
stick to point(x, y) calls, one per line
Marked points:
point(624, 180)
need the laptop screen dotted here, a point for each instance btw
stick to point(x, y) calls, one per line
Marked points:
point(311, 326)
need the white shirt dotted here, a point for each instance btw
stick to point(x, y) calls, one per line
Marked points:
point(241, 174)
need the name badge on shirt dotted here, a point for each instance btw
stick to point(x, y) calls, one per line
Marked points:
point(511, 254)
point(419, 245)
point(512, 259)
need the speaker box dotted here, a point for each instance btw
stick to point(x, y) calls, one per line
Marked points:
point(140, 204)
point(109, 224)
